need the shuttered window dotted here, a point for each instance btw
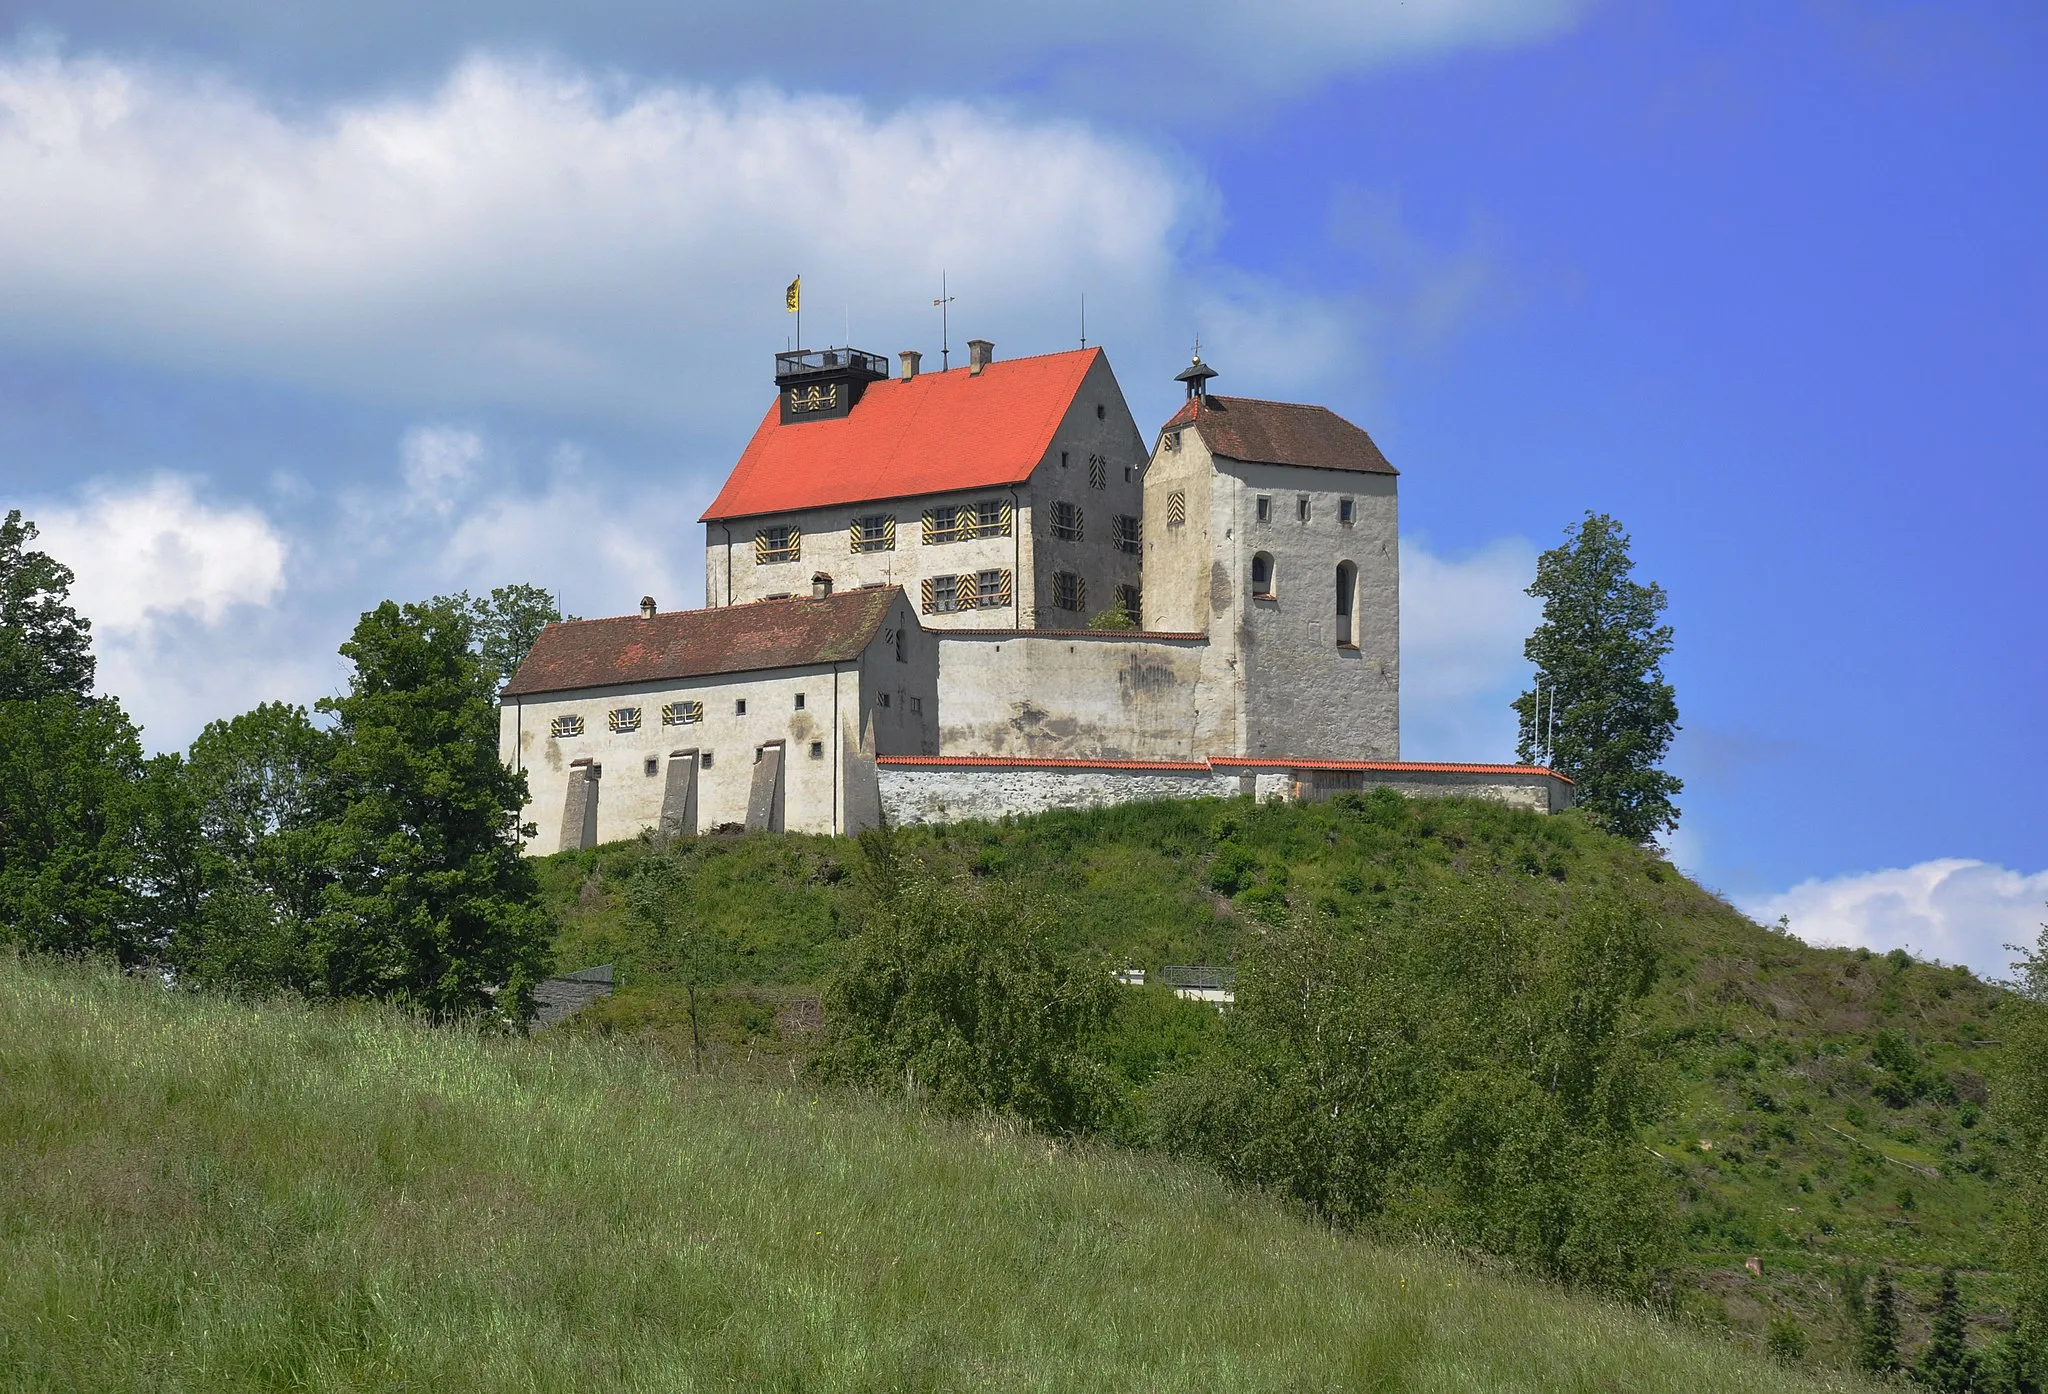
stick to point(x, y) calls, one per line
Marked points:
point(623, 719)
point(991, 589)
point(1126, 533)
point(974, 590)
point(963, 522)
point(1066, 521)
point(1069, 591)
point(1176, 509)
point(681, 713)
point(873, 532)
point(565, 726)
point(1131, 601)
point(776, 544)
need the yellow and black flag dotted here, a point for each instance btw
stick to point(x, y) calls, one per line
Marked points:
point(792, 296)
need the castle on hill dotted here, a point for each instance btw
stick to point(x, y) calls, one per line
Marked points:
point(935, 596)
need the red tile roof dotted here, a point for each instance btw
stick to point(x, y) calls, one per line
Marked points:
point(701, 643)
point(937, 433)
point(1281, 433)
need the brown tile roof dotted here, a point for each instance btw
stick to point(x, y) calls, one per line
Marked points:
point(703, 643)
point(1281, 433)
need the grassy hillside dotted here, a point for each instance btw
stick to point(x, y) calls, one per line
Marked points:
point(1827, 1105)
point(197, 1195)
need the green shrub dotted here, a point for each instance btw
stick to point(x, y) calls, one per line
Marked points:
point(950, 988)
point(1462, 1072)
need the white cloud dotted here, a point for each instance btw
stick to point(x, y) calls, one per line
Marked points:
point(1171, 61)
point(439, 464)
point(1954, 909)
point(535, 236)
point(1463, 621)
point(147, 552)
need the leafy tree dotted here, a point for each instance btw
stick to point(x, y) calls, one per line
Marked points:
point(70, 770)
point(1878, 1353)
point(1459, 1069)
point(1599, 655)
point(953, 989)
point(1947, 1364)
point(505, 624)
point(45, 645)
point(254, 793)
point(433, 904)
point(1117, 616)
point(658, 898)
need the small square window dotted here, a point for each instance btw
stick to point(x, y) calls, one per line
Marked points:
point(1069, 591)
point(1265, 509)
point(739, 707)
point(563, 727)
point(1126, 533)
point(1344, 512)
point(881, 699)
point(1063, 459)
point(1101, 412)
point(623, 719)
point(681, 713)
point(707, 759)
point(1066, 521)
point(653, 765)
point(917, 706)
point(799, 701)
point(817, 750)
point(1301, 507)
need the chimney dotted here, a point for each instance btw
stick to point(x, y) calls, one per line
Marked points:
point(980, 353)
point(911, 359)
point(646, 607)
point(821, 586)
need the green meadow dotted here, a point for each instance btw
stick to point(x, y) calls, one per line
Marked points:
point(197, 1194)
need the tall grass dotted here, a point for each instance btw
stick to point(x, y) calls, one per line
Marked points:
point(201, 1195)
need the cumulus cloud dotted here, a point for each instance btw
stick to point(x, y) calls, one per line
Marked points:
point(1463, 620)
point(1954, 909)
point(534, 236)
point(1171, 60)
point(147, 553)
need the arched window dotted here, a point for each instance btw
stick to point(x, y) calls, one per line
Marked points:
point(1347, 594)
point(1262, 575)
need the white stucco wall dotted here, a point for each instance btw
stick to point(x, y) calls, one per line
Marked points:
point(1097, 696)
point(823, 793)
point(825, 544)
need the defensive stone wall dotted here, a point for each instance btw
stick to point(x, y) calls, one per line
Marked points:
point(951, 789)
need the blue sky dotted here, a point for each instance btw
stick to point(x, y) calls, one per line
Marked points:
point(306, 307)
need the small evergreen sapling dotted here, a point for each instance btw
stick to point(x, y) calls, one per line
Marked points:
point(1947, 1364)
point(1879, 1352)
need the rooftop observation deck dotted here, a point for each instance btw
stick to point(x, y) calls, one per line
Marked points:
point(801, 365)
